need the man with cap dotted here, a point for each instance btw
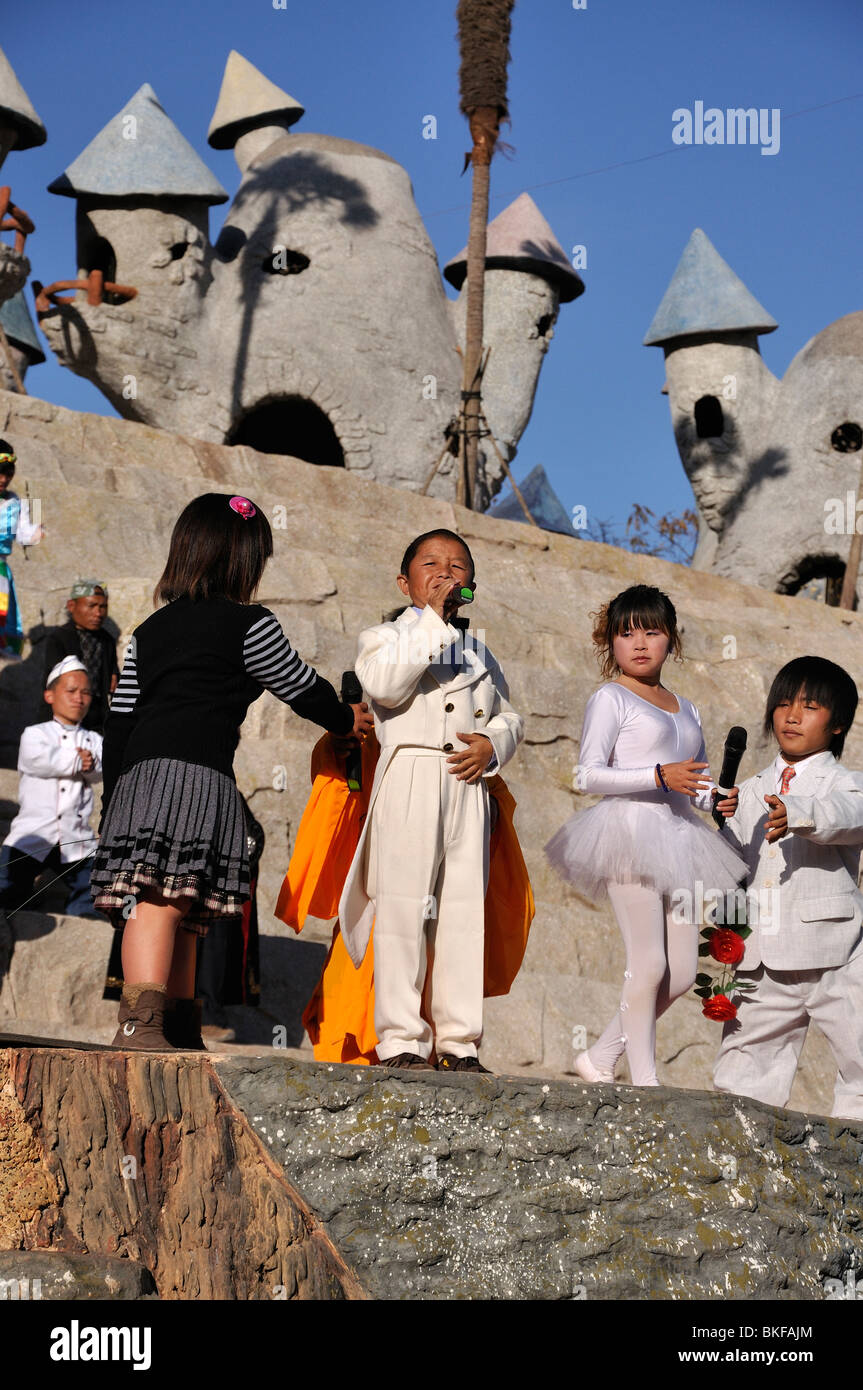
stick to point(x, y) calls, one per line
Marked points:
point(83, 636)
point(58, 762)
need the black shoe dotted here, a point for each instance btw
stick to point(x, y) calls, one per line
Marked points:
point(407, 1061)
point(447, 1063)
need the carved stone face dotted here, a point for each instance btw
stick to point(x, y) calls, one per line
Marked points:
point(316, 327)
point(773, 485)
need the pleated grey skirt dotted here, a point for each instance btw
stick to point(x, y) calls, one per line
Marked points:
point(179, 829)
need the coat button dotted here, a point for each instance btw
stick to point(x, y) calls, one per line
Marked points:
point(448, 709)
point(477, 714)
point(447, 748)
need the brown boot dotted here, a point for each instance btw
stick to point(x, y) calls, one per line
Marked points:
point(141, 1019)
point(183, 1025)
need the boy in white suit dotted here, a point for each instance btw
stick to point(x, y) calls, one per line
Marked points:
point(421, 866)
point(799, 824)
point(59, 761)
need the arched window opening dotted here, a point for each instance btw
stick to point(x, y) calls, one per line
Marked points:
point(293, 426)
point(709, 420)
point(817, 577)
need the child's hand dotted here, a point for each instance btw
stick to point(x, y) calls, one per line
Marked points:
point(439, 591)
point(364, 722)
point(727, 805)
point(777, 821)
point(471, 764)
point(87, 759)
point(683, 777)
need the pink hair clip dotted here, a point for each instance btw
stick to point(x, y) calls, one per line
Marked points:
point(243, 507)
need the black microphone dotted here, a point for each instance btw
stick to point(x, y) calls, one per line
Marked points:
point(735, 747)
point(352, 694)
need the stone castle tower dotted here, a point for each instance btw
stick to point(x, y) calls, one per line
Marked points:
point(769, 461)
point(317, 325)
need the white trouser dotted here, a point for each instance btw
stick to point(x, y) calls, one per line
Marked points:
point(761, 1046)
point(427, 871)
point(661, 961)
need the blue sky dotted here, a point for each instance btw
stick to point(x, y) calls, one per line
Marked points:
point(592, 92)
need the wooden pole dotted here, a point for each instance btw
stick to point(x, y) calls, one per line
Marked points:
point(516, 489)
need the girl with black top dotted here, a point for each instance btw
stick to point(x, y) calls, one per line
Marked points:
point(173, 852)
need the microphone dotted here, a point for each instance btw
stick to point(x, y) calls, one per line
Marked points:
point(352, 694)
point(735, 747)
point(462, 592)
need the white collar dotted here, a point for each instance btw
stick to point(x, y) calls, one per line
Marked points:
point(814, 760)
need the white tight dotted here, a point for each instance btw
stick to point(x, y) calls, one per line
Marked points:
point(661, 961)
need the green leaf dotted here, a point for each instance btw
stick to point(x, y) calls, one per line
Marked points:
point(743, 932)
point(704, 979)
point(704, 950)
point(703, 993)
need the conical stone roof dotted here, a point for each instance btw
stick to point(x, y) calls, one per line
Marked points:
point(19, 329)
point(519, 238)
point(16, 109)
point(705, 296)
point(156, 161)
point(247, 101)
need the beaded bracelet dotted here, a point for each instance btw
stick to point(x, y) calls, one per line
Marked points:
point(665, 786)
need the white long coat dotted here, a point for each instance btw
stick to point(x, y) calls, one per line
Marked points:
point(54, 794)
point(418, 700)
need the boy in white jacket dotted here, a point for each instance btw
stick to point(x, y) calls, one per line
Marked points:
point(799, 824)
point(58, 762)
point(421, 866)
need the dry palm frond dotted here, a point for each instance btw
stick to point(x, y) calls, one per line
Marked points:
point(483, 35)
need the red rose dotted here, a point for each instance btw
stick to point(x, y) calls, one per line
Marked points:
point(726, 946)
point(719, 1007)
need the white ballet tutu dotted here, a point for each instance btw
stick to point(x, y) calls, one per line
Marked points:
point(639, 839)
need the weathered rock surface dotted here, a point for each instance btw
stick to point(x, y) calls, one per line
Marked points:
point(498, 1187)
point(110, 493)
point(265, 1178)
point(142, 1157)
point(50, 1274)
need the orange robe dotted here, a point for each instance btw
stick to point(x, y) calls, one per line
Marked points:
point(340, 1016)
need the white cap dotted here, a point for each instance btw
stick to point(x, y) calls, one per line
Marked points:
point(69, 663)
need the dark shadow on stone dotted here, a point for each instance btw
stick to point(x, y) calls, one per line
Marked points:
point(21, 702)
point(289, 972)
point(288, 185)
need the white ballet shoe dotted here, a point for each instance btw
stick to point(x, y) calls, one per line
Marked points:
point(588, 1072)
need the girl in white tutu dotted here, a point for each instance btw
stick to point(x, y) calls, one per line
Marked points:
point(642, 748)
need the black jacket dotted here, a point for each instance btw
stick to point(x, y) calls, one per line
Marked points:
point(64, 641)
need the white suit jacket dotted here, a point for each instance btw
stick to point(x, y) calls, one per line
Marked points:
point(807, 880)
point(54, 793)
point(418, 699)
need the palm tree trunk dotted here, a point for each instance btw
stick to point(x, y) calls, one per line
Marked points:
point(484, 27)
point(484, 127)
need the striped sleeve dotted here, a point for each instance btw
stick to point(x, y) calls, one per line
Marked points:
point(125, 696)
point(270, 659)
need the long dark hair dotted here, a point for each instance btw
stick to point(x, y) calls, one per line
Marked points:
point(823, 682)
point(642, 606)
point(216, 551)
